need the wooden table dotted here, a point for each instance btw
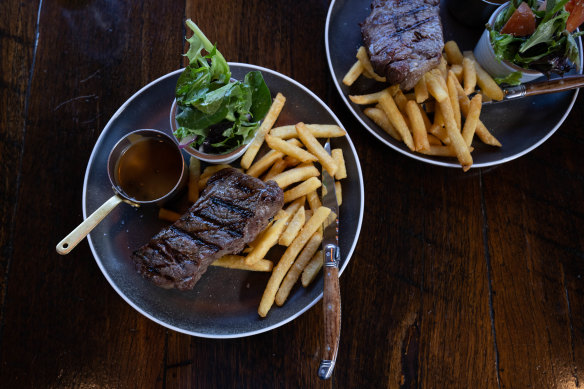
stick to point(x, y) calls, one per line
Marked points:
point(458, 280)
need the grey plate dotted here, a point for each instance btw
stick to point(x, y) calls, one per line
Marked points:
point(520, 125)
point(224, 302)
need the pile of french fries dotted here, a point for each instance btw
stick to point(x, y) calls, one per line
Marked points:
point(290, 162)
point(442, 93)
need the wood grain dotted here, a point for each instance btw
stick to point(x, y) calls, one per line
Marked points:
point(458, 279)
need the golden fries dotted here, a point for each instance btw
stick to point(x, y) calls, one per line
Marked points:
point(453, 96)
point(313, 200)
point(311, 226)
point(300, 173)
point(371, 98)
point(396, 119)
point(456, 140)
point(268, 240)
point(390, 110)
point(303, 189)
point(265, 127)
point(469, 75)
point(314, 146)
point(353, 73)
point(338, 192)
point(293, 228)
point(488, 86)
point(337, 155)
point(312, 268)
point(380, 118)
point(300, 263)
point(317, 130)
point(364, 59)
point(264, 163)
point(238, 262)
point(472, 118)
point(418, 126)
point(453, 53)
point(421, 91)
point(289, 149)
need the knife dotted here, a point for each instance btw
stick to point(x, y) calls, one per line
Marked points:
point(540, 88)
point(331, 300)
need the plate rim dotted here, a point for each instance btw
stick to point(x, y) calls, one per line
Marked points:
point(93, 155)
point(421, 157)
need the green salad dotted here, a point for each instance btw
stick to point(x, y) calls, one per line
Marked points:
point(216, 114)
point(548, 48)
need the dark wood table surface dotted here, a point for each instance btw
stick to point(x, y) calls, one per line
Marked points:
point(458, 280)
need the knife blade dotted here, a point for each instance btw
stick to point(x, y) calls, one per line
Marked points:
point(332, 293)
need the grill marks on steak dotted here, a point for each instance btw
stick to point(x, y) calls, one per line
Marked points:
point(231, 211)
point(404, 39)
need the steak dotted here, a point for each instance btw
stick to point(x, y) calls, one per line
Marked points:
point(403, 39)
point(231, 211)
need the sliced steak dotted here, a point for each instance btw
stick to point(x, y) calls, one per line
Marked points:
point(403, 39)
point(231, 211)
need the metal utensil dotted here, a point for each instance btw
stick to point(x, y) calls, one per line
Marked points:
point(77, 235)
point(331, 301)
point(540, 88)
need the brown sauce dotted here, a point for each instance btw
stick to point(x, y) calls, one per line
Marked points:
point(148, 169)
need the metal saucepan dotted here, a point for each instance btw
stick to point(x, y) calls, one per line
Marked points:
point(144, 167)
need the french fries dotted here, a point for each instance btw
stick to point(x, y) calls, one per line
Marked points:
point(293, 228)
point(418, 126)
point(312, 268)
point(380, 118)
point(453, 53)
point(341, 172)
point(364, 59)
point(292, 176)
point(269, 239)
point(303, 189)
point(299, 227)
point(316, 149)
point(238, 262)
point(300, 263)
point(317, 130)
point(265, 127)
point(353, 73)
point(443, 93)
point(469, 75)
point(289, 149)
point(396, 119)
point(287, 259)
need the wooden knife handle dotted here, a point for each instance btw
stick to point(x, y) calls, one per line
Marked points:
point(556, 85)
point(331, 303)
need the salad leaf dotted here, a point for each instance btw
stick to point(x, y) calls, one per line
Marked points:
point(512, 79)
point(546, 31)
point(218, 113)
point(550, 49)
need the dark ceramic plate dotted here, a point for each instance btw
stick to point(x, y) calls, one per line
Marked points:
point(224, 302)
point(520, 125)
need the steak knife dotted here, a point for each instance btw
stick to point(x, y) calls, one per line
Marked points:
point(540, 88)
point(331, 300)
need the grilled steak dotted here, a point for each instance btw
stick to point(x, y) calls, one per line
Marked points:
point(403, 39)
point(231, 211)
